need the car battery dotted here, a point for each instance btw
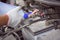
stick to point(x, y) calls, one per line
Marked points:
point(40, 31)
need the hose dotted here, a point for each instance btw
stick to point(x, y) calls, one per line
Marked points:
point(18, 38)
point(50, 2)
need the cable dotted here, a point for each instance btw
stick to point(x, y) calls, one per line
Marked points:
point(18, 38)
point(16, 35)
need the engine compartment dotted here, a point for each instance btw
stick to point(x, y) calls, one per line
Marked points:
point(48, 12)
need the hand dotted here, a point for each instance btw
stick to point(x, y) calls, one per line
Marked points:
point(34, 13)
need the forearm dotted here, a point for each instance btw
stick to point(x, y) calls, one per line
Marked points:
point(3, 20)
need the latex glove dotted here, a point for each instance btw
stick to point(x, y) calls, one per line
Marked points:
point(34, 13)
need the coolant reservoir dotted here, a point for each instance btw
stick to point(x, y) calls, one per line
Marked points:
point(12, 12)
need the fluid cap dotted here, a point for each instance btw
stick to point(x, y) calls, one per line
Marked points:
point(26, 15)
